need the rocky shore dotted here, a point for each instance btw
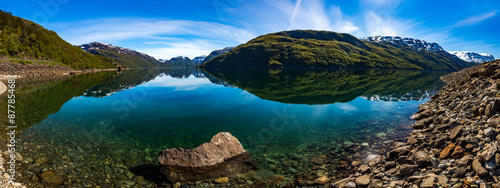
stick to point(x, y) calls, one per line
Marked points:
point(10, 69)
point(454, 142)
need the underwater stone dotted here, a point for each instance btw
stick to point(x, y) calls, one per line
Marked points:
point(222, 156)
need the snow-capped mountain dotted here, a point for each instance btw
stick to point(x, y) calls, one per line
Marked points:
point(473, 57)
point(405, 41)
point(215, 53)
point(199, 59)
point(109, 47)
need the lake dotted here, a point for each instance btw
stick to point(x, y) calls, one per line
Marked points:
point(107, 128)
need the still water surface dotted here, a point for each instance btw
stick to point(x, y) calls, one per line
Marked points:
point(107, 129)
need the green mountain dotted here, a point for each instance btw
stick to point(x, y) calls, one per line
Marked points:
point(20, 38)
point(126, 57)
point(308, 48)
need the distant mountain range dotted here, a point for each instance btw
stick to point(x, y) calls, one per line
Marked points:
point(418, 44)
point(473, 57)
point(324, 49)
point(126, 57)
point(181, 61)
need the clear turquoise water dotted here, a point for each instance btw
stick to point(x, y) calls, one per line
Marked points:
point(91, 139)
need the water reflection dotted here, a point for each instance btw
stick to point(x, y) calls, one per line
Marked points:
point(299, 86)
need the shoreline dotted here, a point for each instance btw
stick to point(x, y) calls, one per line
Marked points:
point(34, 70)
point(454, 142)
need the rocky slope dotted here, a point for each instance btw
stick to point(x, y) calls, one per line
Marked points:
point(454, 142)
point(126, 57)
point(309, 48)
point(473, 57)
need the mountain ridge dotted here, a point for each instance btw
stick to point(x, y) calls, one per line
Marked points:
point(125, 56)
point(309, 48)
point(473, 57)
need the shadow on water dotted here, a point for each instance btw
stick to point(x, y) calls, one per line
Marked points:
point(299, 86)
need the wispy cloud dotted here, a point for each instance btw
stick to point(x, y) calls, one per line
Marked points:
point(115, 29)
point(475, 19)
point(279, 15)
point(377, 24)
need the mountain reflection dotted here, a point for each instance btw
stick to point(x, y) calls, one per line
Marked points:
point(299, 86)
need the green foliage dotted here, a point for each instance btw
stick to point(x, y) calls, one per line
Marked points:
point(309, 48)
point(24, 62)
point(20, 38)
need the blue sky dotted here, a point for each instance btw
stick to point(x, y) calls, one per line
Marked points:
point(169, 28)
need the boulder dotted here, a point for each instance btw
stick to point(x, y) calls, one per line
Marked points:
point(362, 180)
point(51, 178)
point(222, 156)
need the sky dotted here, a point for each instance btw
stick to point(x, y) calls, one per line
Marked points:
point(170, 28)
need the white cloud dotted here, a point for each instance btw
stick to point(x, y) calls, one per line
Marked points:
point(180, 37)
point(116, 29)
point(387, 24)
point(279, 15)
point(475, 19)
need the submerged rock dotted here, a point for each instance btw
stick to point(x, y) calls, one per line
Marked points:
point(222, 156)
point(50, 178)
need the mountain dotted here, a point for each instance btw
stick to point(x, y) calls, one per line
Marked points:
point(473, 57)
point(308, 48)
point(126, 57)
point(416, 44)
point(199, 59)
point(24, 39)
point(179, 61)
point(216, 53)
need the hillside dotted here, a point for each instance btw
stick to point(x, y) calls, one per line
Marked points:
point(20, 38)
point(308, 48)
point(126, 57)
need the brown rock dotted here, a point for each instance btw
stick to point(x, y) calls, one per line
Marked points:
point(478, 167)
point(469, 146)
point(222, 156)
point(322, 180)
point(222, 180)
point(364, 169)
point(363, 180)
point(318, 160)
point(376, 183)
point(458, 152)
point(50, 178)
point(445, 153)
point(464, 161)
point(421, 158)
point(455, 132)
point(407, 169)
point(428, 182)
